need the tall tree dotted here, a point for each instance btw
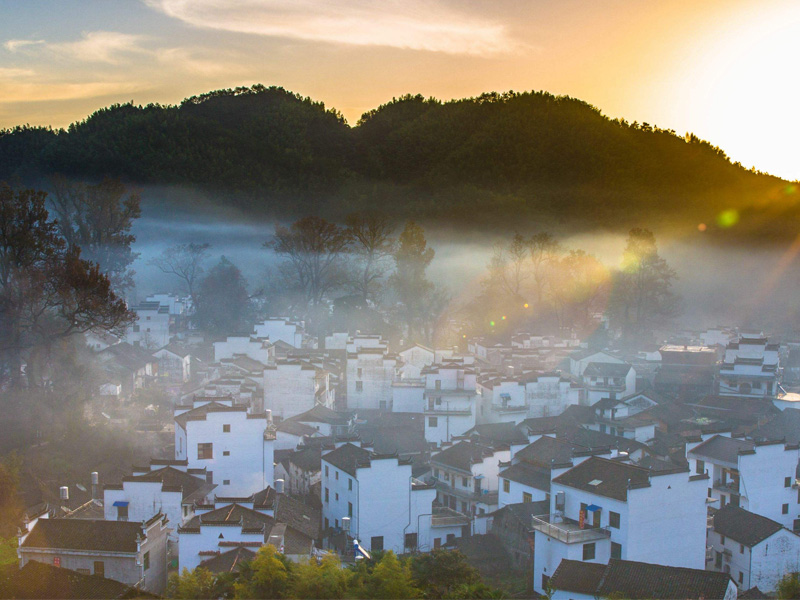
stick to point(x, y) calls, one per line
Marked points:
point(370, 241)
point(409, 281)
point(48, 292)
point(580, 290)
point(266, 576)
point(98, 219)
point(223, 305)
point(323, 580)
point(545, 251)
point(312, 249)
point(390, 580)
point(642, 295)
point(184, 261)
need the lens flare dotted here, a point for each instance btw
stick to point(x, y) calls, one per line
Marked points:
point(525, 305)
point(728, 218)
point(503, 318)
point(491, 323)
point(701, 227)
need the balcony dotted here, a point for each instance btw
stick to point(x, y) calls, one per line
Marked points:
point(731, 487)
point(568, 530)
point(442, 409)
point(434, 393)
point(447, 517)
point(509, 408)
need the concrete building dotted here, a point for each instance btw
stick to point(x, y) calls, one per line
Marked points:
point(608, 380)
point(150, 330)
point(757, 476)
point(754, 550)
point(450, 401)
point(751, 367)
point(285, 330)
point(292, 387)
point(257, 348)
point(370, 372)
point(133, 553)
point(234, 446)
point(605, 509)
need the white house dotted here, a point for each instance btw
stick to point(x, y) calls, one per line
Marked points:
point(151, 328)
point(168, 489)
point(292, 387)
point(580, 359)
point(257, 348)
point(450, 401)
point(751, 367)
point(174, 363)
point(235, 447)
point(608, 380)
point(326, 421)
point(754, 550)
point(757, 476)
point(603, 509)
point(466, 477)
point(386, 507)
point(370, 372)
point(287, 331)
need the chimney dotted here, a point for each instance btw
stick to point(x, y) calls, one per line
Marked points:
point(63, 496)
point(279, 486)
point(95, 485)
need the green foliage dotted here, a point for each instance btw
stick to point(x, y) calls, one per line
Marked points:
point(494, 158)
point(8, 551)
point(390, 579)
point(440, 573)
point(199, 583)
point(323, 580)
point(266, 576)
point(223, 305)
point(789, 587)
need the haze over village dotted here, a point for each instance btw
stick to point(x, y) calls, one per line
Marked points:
point(443, 340)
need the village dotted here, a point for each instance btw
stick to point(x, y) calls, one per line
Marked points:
point(586, 470)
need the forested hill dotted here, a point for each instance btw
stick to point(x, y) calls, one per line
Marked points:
point(498, 157)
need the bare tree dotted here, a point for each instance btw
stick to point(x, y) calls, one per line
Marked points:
point(370, 240)
point(313, 249)
point(545, 251)
point(185, 261)
point(98, 220)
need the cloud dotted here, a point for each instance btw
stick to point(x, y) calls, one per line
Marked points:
point(411, 24)
point(42, 92)
point(15, 45)
point(13, 73)
point(191, 61)
point(101, 46)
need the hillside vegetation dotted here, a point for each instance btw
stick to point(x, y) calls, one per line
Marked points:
point(490, 160)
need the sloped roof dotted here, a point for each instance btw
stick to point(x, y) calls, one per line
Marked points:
point(347, 457)
point(307, 459)
point(634, 580)
point(605, 477)
point(547, 451)
point(462, 455)
point(322, 414)
point(744, 526)
point(722, 449)
point(228, 562)
point(784, 426)
point(192, 487)
point(602, 369)
point(84, 534)
point(502, 433)
point(296, 428)
point(526, 474)
point(298, 515)
point(41, 581)
point(231, 513)
point(200, 412)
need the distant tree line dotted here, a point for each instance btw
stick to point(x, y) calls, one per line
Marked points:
point(492, 159)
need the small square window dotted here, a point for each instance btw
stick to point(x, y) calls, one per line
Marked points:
point(226, 482)
point(349, 484)
point(433, 421)
point(785, 509)
point(336, 475)
point(506, 486)
point(613, 519)
point(226, 428)
point(526, 497)
point(226, 453)
point(589, 551)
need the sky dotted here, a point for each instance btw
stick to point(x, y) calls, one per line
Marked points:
point(726, 70)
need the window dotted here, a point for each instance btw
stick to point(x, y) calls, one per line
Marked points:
point(360, 373)
point(337, 496)
point(526, 497)
point(226, 453)
point(506, 485)
point(349, 509)
point(84, 571)
point(327, 494)
point(327, 523)
point(718, 560)
point(741, 548)
point(722, 539)
point(433, 421)
point(122, 513)
point(545, 581)
point(438, 384)
point(465, 481)
point(349, 484)
point(437, 542)
point(613, 519)
point(146, 560)
point(741, 577)
point(100, 568)
point(135, 329)
point(376, 543)
point(226, 482)
point(56, 561)
point(464, 507)
point(411, 540)
point(209, 476)
point(616, 550)
point(336, 523)
point(226, 428)
point(588, 551)
point(359, 386)
point(787, 482)
point(327, 472)
point(336, 473)
point(451, 537)
point(700, 467)
point(785, 509)
point(205, 451)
